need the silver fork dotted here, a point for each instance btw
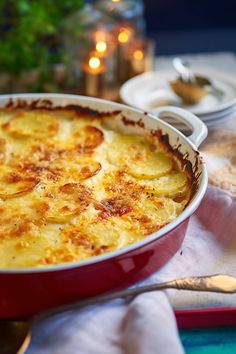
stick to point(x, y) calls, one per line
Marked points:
point(219, 283)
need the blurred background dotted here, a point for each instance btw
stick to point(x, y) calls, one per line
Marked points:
point(48, 45)
point(191, 26)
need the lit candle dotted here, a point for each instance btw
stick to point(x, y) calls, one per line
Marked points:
point(103, 43)
point(141, 56)
point(124, 36)
point(138, 61)
point(101, 47)
point(93, 76)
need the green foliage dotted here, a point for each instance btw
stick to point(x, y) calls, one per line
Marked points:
point(30, 33)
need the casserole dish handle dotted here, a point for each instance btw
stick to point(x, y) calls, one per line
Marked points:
point(199, 129)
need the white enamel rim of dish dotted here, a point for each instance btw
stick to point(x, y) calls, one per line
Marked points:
point(129, 87)
point(70, 99)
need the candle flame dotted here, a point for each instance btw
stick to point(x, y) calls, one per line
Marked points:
point(125, 33)
point(101, 46)
point(138, 55)
point(94, 62)
point(123, 37)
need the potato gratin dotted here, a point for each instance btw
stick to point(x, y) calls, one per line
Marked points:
point(72, 188)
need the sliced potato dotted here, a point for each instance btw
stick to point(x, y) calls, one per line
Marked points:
point(139, 158)
point(88, 137)
point(116, 183)
point(14, 184)
point(15, 223)
point(35, 124)
point(125, 147)
point(75, 170)
point(82, 139)
point(160, 210)
point(64, 202)
point(98, 236)
point(154, 166)
point(172, 184)
point(53, 164)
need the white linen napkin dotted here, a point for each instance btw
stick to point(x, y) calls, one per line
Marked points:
point(146, 325)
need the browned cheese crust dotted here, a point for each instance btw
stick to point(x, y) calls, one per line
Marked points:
point(71, 188)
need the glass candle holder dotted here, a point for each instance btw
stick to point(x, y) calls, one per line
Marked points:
point(103, 42)
point(86, 31)
point(130, 12)
point(128, 19)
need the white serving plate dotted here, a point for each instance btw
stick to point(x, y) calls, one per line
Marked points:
point(152, 90)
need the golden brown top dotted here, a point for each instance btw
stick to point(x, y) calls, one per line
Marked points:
point(71, 188)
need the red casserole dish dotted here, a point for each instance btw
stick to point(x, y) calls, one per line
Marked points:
point(25, 292)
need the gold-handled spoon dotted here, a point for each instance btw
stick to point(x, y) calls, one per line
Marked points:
point(15, 336)
point(186, 75)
